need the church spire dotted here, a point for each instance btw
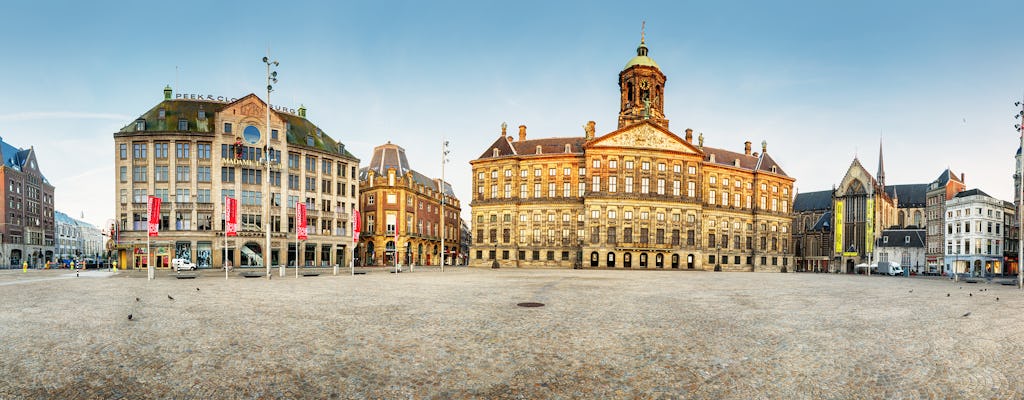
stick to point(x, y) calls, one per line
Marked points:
point(881, 166)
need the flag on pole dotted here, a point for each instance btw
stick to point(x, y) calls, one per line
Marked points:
point(300, 220)
point(153, 211)
point(357, 226)
point(230, 216)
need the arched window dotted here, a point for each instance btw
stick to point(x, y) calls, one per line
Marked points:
point(611, 260)
point(675, 261)
point(593, 259)
point(627, 260)
point(643, 260)
point(659, 260)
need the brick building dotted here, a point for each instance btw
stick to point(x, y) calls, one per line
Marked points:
point(26, 215)
point(401, 210)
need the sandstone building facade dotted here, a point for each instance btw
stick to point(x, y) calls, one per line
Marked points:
point(193, 151)
point(637, 197)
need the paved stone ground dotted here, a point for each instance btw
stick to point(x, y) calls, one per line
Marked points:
point(601, 334)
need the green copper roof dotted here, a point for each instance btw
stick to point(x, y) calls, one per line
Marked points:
point(641, 57)
point(642, 60)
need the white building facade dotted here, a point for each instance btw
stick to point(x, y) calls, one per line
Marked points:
point(903, 246)
point(974, 234)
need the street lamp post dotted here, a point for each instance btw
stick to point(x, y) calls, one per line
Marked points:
point(444, 160)
point(1020, 202)
point(271, 78)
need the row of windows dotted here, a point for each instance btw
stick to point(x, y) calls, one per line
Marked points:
point(643, 237)
point(966, 226)
point(628, 188)
point(160, 150)
point(991, 247)
point(645, 166)
point(977, 211)
point(248, 176)
point(203, 151)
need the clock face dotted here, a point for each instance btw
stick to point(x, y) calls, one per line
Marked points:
point(644, 84)
point(251, 134)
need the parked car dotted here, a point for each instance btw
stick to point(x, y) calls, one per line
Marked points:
point(181, 264)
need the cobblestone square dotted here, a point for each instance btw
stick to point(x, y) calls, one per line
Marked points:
point(459, 334)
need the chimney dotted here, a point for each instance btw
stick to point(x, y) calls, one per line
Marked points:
point(689, 135)
point(746, 147)
point(522, 133)
point(302, 110)
point(167, 92)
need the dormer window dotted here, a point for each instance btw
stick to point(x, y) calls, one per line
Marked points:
point(538, 150)
point(906, 239)
point(309, 141)
point(775, 169)
point(182, 124)
point(494, 152)
point(140, 125)
point(885, 239)
point(568, 148)
point(202, 113)
point(162, 114)
point(736, 162)
point(711, 157)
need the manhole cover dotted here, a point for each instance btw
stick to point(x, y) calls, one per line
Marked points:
point(530, 304)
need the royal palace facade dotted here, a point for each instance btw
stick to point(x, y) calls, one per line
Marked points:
point(193, 151)
point(637, 197)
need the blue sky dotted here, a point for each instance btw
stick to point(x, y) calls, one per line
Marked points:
point(821, 82)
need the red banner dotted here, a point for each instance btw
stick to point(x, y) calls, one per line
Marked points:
point(230, 216)
point(300, 220)
point(153, 211)
point(356, 226)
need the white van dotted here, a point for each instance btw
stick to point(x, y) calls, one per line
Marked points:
point(888, 267)
point(181, 264)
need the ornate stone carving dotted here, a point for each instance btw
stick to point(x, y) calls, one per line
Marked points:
point(252, 109)
point(646, 136)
